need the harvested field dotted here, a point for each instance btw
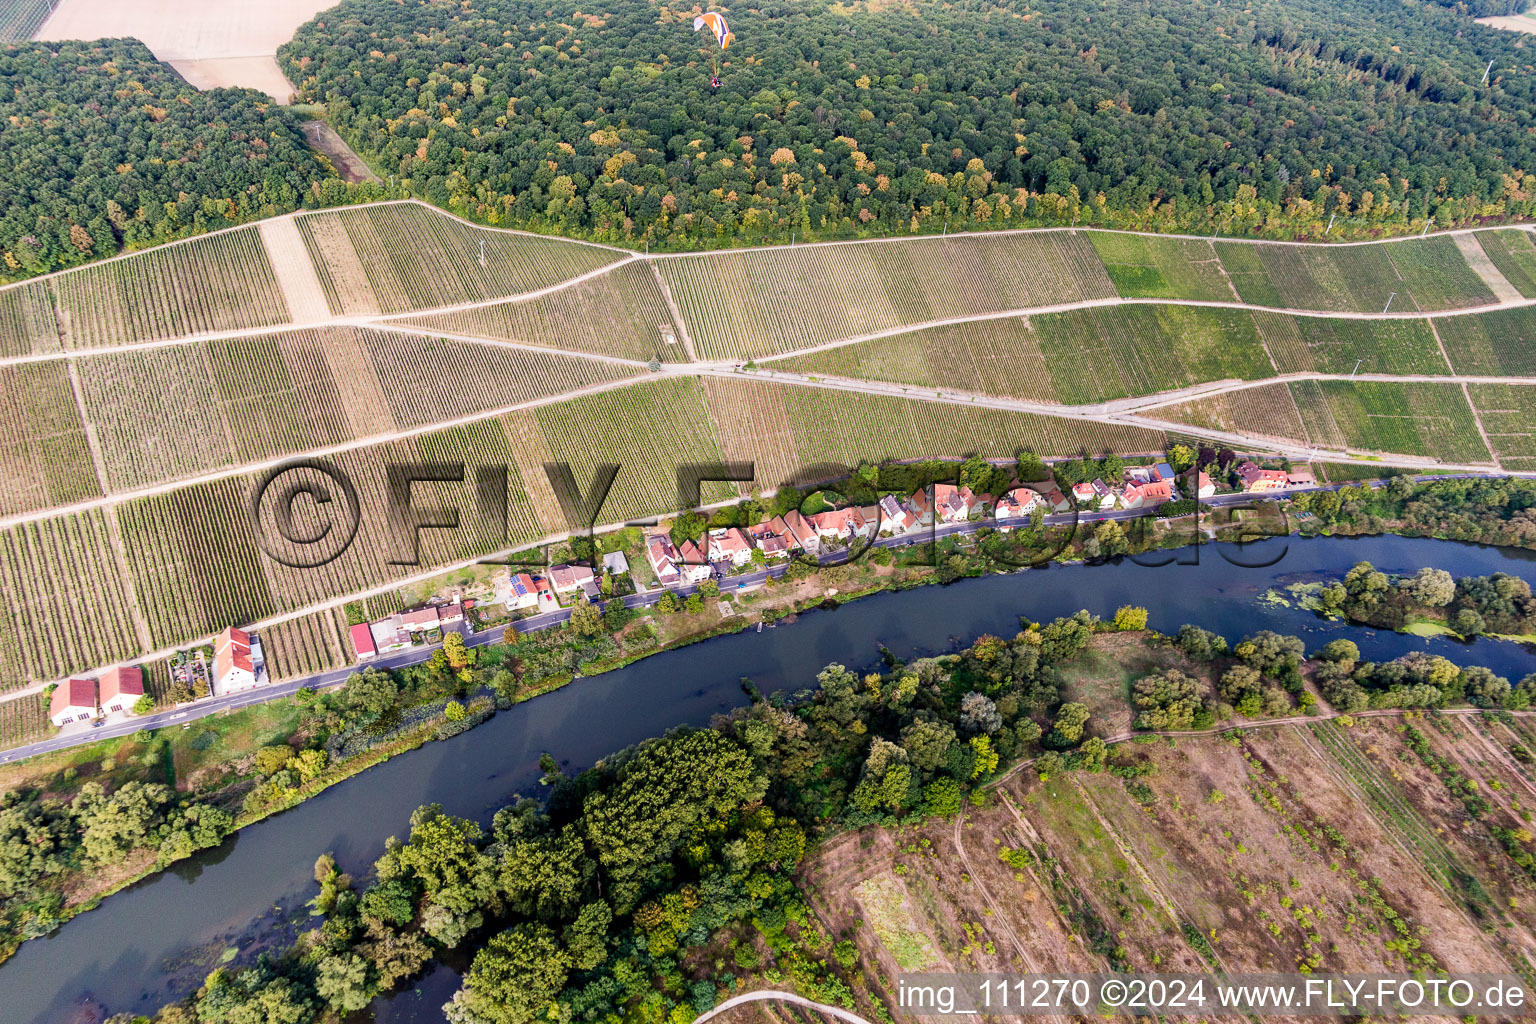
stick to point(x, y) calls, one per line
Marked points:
point(620, 313)
point(1144, 266)
point(765, 301)
point(414, 257)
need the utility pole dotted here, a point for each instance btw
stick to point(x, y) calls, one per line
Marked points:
point(1426, 227)
point(1487, 71)
point(1389, 302)
point(1331, 216)
point(482, 254)
point(1356, 369)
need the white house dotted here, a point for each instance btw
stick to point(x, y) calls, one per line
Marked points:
point(235, 664)
point(663, 556)
point(119, 689)
point(692, 564)
point(615, 564)
point(73, 700)
point(568, 578)
point(729, 545)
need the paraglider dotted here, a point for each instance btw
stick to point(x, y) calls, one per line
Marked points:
point(715, 22)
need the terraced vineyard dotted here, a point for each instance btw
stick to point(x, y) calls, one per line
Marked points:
point(23, 720)
point(222, 282)
point(1500, 343)
point(1514, 253)
point(294, 391)
point(1426, 274)
point(65, 602)
point(393, 257)
point(1301, 344)
point(1508, 414)
point(739, 305)
point(1432, 420)
point(621, 313)
point(306, 645)
point(27, 323)
point(1144, 266)
point(44, 456)
point(1265, 411)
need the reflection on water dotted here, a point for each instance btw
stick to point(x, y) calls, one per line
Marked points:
point(149, 944)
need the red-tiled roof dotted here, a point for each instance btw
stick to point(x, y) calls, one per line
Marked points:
point(232, 650)
point(128, 681)
point(73, 693)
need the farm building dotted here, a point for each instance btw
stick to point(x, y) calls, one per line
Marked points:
point(74, 700)
point(120, 689)
point(237, 662)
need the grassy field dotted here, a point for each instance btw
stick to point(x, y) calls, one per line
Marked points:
point(760, 302)
point(1427, 274)
point(1502, 342)
point(44, 457)
point(222, 282)
point(1301, 344)
point(394, 257)
point(1143, 266)
point(620, 313)
point(1083, 356)
point(1513, 252)
point(1432, 420)
point(1508, 412)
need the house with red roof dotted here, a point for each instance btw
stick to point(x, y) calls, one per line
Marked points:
point(1147, 495)
point(1256, 479)
point(663, 556)
point(692, 563)
point(729, 545)
point(119, 689)
point(806, 537)
point(73, 700)
point(362, 641)
point(235, 665)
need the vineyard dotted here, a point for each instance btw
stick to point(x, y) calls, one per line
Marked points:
point(27, 324)
point(1500, 343)
point(1513, 252)
point(20, 19)
point(307, 645)
point(223, 282)
point(843, 428)
point(648, 431)
point(1116, 351)
point(1426, 274)
point(393, 257)
point(282, 393)
point(992, 357)
point(66, 605)
point(23, 720)
point(1143, 266)
point(1508, 413)
point(1432, 420)
point(44, 457)
point(1301, 344)
point(1265, 411)
point(764, 301)
point(621, 313)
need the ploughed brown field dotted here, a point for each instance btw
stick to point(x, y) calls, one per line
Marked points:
point(1321, 845)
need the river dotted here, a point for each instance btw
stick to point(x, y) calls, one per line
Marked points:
point(154, 942)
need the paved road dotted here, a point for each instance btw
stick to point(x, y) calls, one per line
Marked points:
point(546, 620)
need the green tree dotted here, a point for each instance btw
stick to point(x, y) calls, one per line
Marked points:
point(586, 620)
point(514, 979)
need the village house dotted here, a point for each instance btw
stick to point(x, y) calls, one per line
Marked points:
point(525, 591)
point(388, 635)
point(729, 545)
point(953, 504)
point(1088, 497)
point(1203, 486)
point(569, 578)
point(1105, 494)
point(695, 568)
point(1256, 479)
point(1147, 495)
point(805, 535)
point(1054, 499)
point(1301, 478)
point(362, 641)
point(450, 614)
point(73, 700)
point(421, 620)
point(895, 517)
point(236, 663)
point(119, 689)
point(663, 556)
point(846, 523)
point(772, 538)
point(1014, 507)
point(615, 564)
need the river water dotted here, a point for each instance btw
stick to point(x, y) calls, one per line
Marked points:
point(153, 942)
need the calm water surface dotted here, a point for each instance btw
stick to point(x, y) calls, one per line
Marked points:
point(156, 941)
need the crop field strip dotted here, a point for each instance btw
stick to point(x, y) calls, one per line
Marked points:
point(1146, 266)
point(764, 301)
point(1431, 420)
point(45, 459)
point(619, 313)
point(416, 258)
point(223, 282)
point(1513, 251)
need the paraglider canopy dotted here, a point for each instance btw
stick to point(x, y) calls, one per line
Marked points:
point(715, 22)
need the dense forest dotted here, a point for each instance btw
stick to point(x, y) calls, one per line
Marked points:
point(836, 120)
point(104, 148)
